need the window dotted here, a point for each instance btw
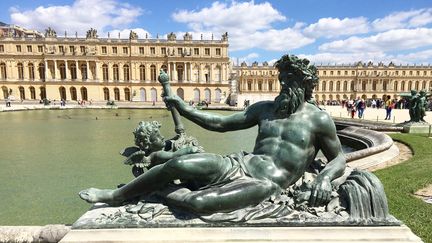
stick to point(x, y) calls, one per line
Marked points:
point(61, 49)
point(104, 50)
point(142, 72)
point(207, 51)
point(18, 48)
point(3, 74)
point(141, 50)
point(40, 48)
point(125, 50)
point(331, 72)
point(324, 72)
point(105, 72)
point(346, 72)
point(397, 72)
point(115, 72)
point(352, 72)
point(338, 73)
point(29, 48)
point(31, 71)
point(71, 49)
point(152, 50)
point(126, 73)
point(114, 50)
point(82, 49)
point(218, 51)
point(163, 50)
point(1, 48)
point(180, 51)
point(196, 51)
point(418, 73)
point(20, 71)
point(403, 72)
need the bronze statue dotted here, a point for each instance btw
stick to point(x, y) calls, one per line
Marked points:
point(291, 131)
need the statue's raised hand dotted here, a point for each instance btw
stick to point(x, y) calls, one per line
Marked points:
point(320, 191)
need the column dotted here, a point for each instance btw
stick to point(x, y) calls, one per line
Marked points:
point(190, 72)
point(56, 74)
point(169, 71)
point(98, 70)
point(46, 69)
point(174, 78)
point(201, 73)
point(87, 70)
point(110, 72)
point(121, 74)
point(25, 71)
point(78, 71)
point(147, 72)
point(184, 72)
point(66, 70)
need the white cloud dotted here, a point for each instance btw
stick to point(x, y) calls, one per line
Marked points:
point(345, 58)
point(333, 27)
point(80, 16)
point(248, 24)
point(247, 16)
point(392, 40)
point(404, 19)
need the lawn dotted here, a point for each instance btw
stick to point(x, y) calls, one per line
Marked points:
point(402, 180)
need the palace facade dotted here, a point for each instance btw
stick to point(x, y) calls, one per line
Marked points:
point(35, 66)
point(338, 82)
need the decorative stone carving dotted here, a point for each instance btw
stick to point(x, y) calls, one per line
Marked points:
point(91, 34)
point(133, 35)
point(50, 33)
point(187, 36)
point(172, 36)
point(225, 36)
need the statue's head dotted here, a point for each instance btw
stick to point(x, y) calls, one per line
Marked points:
point(147, 136)
point(413, 92)
point(297, 79)
point(423, 92)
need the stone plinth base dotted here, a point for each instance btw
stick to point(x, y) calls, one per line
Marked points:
point(416, 128)
point(246, 234)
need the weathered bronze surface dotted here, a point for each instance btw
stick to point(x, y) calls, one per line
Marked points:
point(280, 178)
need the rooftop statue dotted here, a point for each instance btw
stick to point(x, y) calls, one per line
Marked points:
point(91, 34)
point(133, 35)
point(50, 32)
point(280, 178)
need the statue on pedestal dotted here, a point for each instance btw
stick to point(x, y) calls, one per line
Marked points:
point(280, 178)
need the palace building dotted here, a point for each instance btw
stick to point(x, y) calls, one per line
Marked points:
point(35, 66)
point(338, 82)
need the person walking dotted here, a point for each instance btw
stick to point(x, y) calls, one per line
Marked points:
point(388, 107)
point(361, 106)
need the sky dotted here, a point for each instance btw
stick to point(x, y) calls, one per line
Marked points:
point(324, 31)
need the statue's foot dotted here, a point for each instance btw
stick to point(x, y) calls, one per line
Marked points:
point(94, 195)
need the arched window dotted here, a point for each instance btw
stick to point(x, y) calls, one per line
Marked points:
point(180, 93)
point(84, 75)
point(410, 85)
point(106, 93)
point(3, 74)
point(31, 71)
point(62, 92)
point(197, 95)
point(73, 93)
point(153, 73)
point(42, 93)
point(338, 86)
point(20, 71)
point(345, 86)
point(374, 85)
point(207, 95)
point(41, 71)
point(218, 97)
point(127, 94)
point(364, 85)
point(218, 74)
point(126, 76)
point(424, 85)
point(180, 72)
point(73, 70)
point(84, 93)
point(5, 92)
point(62, 71)
point(249, 85)
point(22, 92)
point(115, 72)
point(331, 86)
point(116, 94)
point(323, 86)
point(105, 72)
point(153, 93)
point(403, 86)
point(385, 85)
point(143, 95)
point(207, 74)
point(395, 86)
point(32, 93)
point(142, 72)
point(417, 85)
point(260, 85)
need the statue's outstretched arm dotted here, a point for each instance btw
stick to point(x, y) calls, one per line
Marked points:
point(216, 122)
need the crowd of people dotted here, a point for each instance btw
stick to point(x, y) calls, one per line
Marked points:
point(356, 107)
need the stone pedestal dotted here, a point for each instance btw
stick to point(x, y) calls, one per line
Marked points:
point(246, 234)
point(416, 128)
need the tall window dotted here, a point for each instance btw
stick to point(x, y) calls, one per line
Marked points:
point(331, 86)
point(153, 72)
point(41, 71)
point(105, 72)
point(116, 94)
point(31, 71)
point(73, 71)
point(338, 86)
point(395, 87)
point(323, 85)
point(126, 76)
point(20, 71)
point(84, 71)
point(115, 72)
point(106, 93)
point(22, 93)
point(62, 71)
point(32, 93)
point(142, 72)
point(3, 74)
point(345, 86)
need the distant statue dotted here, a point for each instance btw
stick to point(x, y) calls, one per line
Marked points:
point(50, 33)
point(280, 177)
point(187, 37)
point(172, 36)
point(133, 35)
point(422, 104)
point(91, 34)
point(225, 36)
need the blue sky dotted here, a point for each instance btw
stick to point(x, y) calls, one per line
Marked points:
point(325, 31)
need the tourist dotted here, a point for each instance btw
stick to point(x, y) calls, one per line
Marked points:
point(388, 107)
point(361, 106)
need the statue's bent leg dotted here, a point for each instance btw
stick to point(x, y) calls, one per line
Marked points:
point(232, 196)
